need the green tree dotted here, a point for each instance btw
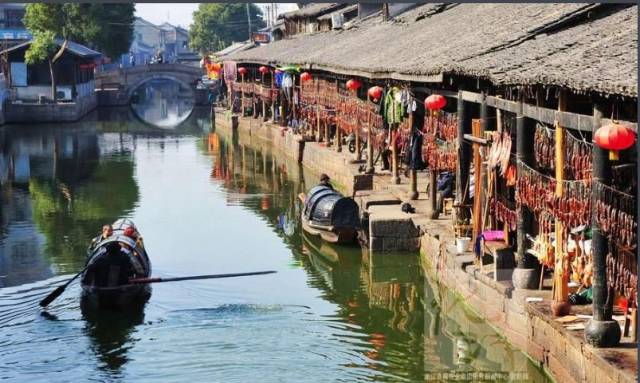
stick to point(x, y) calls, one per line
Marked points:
point(47, 22)
point(115, 23)
point(109, 27)
point(216, 25)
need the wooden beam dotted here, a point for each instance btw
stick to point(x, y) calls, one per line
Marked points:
point(443, 92)
point(502, 104)
point(568, 120)
point(478, 98)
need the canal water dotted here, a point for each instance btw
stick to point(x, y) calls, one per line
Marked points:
point(207, 201)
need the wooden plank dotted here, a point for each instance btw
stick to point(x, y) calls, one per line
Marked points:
point(476, 128)
point(476, 140)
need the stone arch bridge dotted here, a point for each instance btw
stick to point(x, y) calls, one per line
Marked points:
point(116, 87)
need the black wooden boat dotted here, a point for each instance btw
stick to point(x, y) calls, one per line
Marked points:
point(330, 215)
point(115, 294)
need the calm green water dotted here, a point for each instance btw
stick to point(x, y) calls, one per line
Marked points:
point(207, 203)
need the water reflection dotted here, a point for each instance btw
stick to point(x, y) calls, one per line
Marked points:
point(59, 185)
point(111, 335)
point(209, 203)
point(402, 323)
point(163, 103)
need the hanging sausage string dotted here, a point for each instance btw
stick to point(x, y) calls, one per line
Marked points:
point(440, 133)
point(537, 192)
point(615, 215)
point(578, 161)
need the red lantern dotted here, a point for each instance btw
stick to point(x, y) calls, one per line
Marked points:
point(353, 84)
point(614, 137)
point(435, 102)
point(263, 69)
point(242, 71)
point(375, 92)
point(305, 76)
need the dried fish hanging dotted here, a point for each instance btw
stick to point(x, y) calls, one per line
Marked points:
point(615, 215)
point(500, 151)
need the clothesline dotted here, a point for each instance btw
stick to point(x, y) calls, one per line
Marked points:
point(598, 184)
point(568, 182)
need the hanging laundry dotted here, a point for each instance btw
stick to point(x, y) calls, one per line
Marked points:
point(287, 80)
point(393, 107)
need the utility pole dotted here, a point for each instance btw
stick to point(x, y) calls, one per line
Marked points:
point(249, 20)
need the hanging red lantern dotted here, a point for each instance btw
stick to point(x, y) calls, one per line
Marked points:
point(305, 76)
point(614, 137)
point(242, 71)
point(435, 102)
point(263, 69)
point(353, 84)
point(375, 92)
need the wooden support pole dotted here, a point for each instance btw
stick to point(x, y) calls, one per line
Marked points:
point(465, 114)
point(413, 174)
point(273, 97)
point(370, 168)
point(433, 193)
point(476, 130)
point(318, 130)
point(242, 95)
point(602, 330)
point(358, 151)
point(395, 177)
point(525, 275)
point(560, 305)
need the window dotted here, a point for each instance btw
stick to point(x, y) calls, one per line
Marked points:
point(13, 18)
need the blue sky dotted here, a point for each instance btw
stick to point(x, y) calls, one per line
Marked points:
point(181, 13)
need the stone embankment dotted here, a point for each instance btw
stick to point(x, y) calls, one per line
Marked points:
point(522, 316)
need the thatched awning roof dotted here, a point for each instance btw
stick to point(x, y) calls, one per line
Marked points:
point(585, 47)
point(312, 10)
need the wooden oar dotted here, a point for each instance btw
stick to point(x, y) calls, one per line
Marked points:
point(210, 276)
point(60, 289)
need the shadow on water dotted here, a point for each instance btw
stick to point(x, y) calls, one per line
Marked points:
point(111, 333)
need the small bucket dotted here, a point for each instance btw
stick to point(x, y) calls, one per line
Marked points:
point(462, 244)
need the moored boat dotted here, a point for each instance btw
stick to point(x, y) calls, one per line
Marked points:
point(111, 262)
point(330, 215)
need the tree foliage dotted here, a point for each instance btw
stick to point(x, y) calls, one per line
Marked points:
point(115, 28)
point(108, 27)
point(216, 25)
point(42, 46)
